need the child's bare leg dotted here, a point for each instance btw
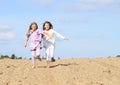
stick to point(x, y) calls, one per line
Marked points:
point(52, 49)
point(48, 57)
point(48, 64)
point(38, 54)
point(39, 58)
point(33, 58)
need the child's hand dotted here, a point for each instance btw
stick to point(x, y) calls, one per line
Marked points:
point(25, 44)
point(65, 39)
point(50, 37)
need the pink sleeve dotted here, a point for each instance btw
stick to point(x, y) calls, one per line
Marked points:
point(40, 32)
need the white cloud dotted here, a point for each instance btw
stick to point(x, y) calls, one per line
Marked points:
point(5, 27)
point(73, 20)
point(77, 5)
point(6, 35)
point(45, 3)
point(91, 5)
point(6, 32)
point(100, 1)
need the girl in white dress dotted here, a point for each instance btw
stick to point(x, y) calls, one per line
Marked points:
point(49, 43)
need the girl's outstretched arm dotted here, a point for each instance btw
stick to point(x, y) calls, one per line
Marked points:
point(26, 40)
point(60, 36)
point(65, 38)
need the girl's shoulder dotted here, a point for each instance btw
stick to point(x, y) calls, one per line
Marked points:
point(39, 31)
point(30, 32)
point(51, 30)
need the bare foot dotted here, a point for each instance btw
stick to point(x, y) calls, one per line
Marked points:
point(48, 66)
point(33, 66)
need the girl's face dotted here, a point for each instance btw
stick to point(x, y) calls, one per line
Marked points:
point(34, 27)
point(47, 26)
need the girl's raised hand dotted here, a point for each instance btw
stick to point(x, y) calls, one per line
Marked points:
point(25, 44)
point(26, 40)
point(66, 39)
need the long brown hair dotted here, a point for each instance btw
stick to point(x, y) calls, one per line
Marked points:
point(30, 27)
point(51, 26)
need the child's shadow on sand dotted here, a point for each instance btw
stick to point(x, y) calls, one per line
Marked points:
point(53, 66)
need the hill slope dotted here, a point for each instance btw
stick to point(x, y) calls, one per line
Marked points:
point(78, 71)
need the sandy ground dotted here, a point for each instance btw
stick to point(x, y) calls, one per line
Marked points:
point(76, 71)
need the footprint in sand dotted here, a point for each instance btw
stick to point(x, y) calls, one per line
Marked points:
point(10, 66)
point(7, 83)
point(25, 77)
point(98, 83)
point(108, 71)
point(19, 81)
point(7, 66)
point(1, 73)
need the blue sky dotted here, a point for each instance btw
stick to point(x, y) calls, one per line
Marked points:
point(92, 26)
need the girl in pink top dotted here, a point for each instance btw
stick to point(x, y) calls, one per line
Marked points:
point(36, 37)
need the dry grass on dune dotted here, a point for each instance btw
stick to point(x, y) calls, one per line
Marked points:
point(76, 71)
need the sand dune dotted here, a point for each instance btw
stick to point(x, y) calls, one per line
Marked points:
point(78, 71)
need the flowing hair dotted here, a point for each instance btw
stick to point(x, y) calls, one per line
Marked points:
point(47, 22)
point(30, 27)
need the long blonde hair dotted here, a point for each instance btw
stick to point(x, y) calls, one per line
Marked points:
point(30, 27)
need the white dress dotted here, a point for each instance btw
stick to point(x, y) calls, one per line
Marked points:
point(49, 44)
